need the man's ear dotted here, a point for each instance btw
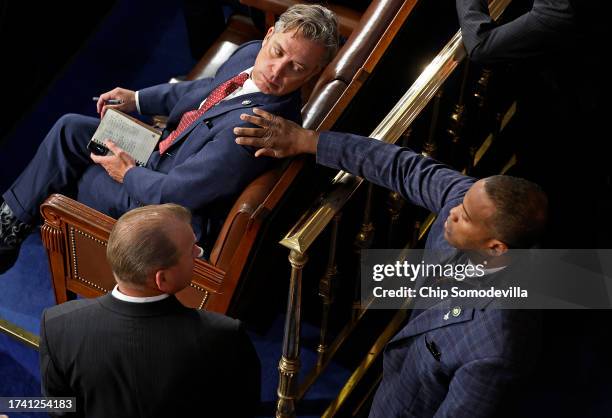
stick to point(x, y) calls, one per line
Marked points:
point(160, 280)
point(269, 33)
point(496, 248)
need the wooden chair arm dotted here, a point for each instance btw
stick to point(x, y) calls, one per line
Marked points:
point(76, 236)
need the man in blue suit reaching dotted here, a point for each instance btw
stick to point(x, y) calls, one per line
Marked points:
point(449, 360)
point(197, 163)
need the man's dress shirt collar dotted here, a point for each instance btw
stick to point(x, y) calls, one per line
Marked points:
point(134, 299)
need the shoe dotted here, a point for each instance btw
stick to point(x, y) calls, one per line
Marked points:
point(12, 234)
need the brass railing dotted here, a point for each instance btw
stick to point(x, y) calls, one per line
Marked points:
point(20, 334)
point(312, 223)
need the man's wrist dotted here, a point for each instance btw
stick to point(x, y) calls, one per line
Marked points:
point(129, 167)
point(310, 141)
point(125, 173)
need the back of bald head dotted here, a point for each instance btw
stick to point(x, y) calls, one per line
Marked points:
point(141, 242)
point(521, 210)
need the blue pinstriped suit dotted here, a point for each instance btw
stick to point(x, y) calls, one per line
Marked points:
point(155, 359)
point(483, 351)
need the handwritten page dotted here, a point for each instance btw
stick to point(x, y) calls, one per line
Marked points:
point(133, 136)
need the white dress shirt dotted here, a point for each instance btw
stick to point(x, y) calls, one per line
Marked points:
point(135, 299)
point(248, 88)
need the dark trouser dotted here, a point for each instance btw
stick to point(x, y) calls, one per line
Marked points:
point(62, 165)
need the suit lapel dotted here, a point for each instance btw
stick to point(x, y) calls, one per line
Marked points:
point(448, 312)
point(437, 316)
point(219, 109)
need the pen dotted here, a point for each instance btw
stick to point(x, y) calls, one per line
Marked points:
point(109, 102)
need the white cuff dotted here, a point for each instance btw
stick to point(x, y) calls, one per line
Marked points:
point(137, 103)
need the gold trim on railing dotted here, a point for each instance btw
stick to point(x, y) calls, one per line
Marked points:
point(313, 222)
point(19, 334)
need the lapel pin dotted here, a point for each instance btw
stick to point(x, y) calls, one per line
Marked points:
point(456, 311)
point(446, 316)
point(246, 102)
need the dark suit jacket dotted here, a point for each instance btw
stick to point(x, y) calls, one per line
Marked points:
point(204, 168)
point(556, 51)
point(156, 359)
point(548, 27)
point(483, 351)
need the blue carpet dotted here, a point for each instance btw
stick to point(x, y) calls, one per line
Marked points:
point(269, 349)
point(141, 43)
point(19, 374)
point(25, 290)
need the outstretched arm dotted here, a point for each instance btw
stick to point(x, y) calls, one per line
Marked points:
point(423, 181)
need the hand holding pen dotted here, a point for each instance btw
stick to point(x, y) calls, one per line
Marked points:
point(118, 98)
point(109, 101)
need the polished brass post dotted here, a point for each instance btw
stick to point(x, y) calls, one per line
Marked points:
point(457, 118)
point(362, 241)
point(366, 232)
point(482, 87)
point(395, 203)
point(464, 80)
point(458, 154)
point(326, 290)
point(430, 147)
point(289, 364)
point(480, 120)
point(405, 138)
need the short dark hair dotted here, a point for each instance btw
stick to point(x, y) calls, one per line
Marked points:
point(521, 210)
point(141, 241)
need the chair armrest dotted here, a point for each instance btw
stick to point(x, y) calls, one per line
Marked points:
point(246, 210)
point(75, 237)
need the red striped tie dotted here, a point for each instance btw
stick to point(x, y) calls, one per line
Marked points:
point(218, 94)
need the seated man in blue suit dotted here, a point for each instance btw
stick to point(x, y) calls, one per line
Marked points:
point(197, 163)
point(442, 365)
